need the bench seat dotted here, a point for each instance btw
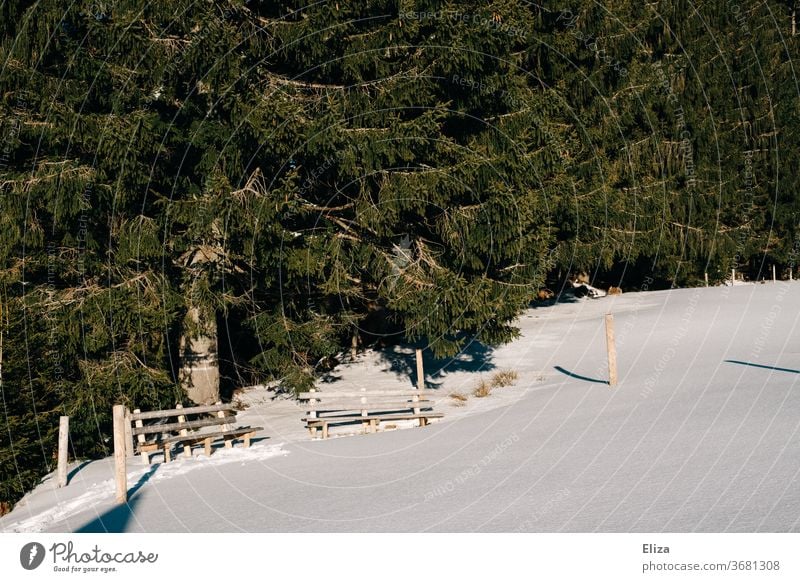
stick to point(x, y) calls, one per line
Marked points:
point(229, 436)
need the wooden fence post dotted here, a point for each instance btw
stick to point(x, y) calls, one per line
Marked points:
point(774, 278)
point(420, 384)
point(612, 350)
point(63, 450)
point(706, 278)
point(420, 371)
point(733, 276)
point(120, 458)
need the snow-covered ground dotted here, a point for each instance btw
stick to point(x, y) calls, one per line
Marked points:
point(701, 434)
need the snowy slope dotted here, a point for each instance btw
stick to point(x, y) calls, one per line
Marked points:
point(702, 434)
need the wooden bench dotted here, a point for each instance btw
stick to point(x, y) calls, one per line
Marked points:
point(368, 408)
point(174, 426)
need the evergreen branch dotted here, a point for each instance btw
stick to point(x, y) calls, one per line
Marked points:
point(366, 129)
point(349, 224)
point(280, 80)
point(686, 226)
point(412, 73)
point(514, 266)
point(348, 237)
point(318, 208)
point(509, 114)
point(626, 89)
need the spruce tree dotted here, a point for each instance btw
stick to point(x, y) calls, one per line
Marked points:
point(249, 185)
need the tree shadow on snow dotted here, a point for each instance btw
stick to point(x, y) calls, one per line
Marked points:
point(116, 519)
point(560, 298)
point(474, 357)
point(579, 377)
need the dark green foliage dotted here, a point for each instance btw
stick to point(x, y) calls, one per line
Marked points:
point(298, 173)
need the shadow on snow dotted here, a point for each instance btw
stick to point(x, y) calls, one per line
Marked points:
point(116, 519)
point(579, 377)
point(473, 357)
point(752, 365)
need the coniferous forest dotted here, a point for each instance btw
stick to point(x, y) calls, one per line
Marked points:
point(262, 184)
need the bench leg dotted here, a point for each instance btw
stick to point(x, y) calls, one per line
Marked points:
point(247, 440)
point(423, 421)
point(324, 430)
point(373, 425)
point(145, 457)
point(207, 447)
point(228, 442)
point(313, 431)
point(166, 454)
point(187, 450)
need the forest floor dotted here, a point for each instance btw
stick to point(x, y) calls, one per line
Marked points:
point(702, 433)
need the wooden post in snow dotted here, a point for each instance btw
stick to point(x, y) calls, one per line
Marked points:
point(774, 278)
point(706, 278)
point(733, 276)
point(120, 458)
point(63, 450)
point(420, 383)
point(612, 350)
point(420, 371)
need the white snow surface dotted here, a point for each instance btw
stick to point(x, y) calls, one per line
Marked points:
point(701, 434)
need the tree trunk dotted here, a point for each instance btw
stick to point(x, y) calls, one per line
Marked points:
point(199, 374)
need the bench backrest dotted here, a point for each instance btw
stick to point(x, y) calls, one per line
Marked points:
point(372, 394)
point(225, 414)
point(363, 400)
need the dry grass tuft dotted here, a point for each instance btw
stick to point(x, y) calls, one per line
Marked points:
point(482, 390)
point(459, 399)
point(504, 378)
